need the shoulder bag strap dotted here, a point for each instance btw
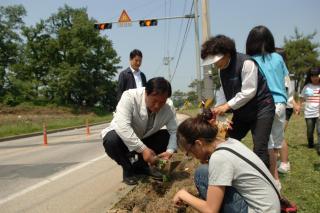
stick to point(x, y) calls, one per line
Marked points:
point(252, 164)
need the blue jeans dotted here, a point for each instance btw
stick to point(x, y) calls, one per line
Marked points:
point(232, 201)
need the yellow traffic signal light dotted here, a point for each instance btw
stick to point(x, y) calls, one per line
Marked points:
point(103, 26)
point(148, 23)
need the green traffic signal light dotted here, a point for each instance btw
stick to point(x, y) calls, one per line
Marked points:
point(148, 23)
point(103, 26)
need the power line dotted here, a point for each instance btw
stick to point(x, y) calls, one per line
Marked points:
point(180, 28)
point(183, 42)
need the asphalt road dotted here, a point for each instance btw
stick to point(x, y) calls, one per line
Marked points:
point(70, 174)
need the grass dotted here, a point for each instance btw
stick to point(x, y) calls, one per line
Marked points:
point(29, 119)
point(301, 185)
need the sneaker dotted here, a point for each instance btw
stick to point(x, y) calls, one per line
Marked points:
point(284, 167)
point(278, 185)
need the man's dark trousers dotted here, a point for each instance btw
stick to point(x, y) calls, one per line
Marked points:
point(118, 151)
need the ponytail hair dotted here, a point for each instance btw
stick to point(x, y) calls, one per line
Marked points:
point(196, 128)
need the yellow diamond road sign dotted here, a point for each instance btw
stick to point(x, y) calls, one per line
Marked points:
point(124, 19)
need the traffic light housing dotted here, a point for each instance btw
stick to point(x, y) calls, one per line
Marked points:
point(103, 26)
point(148, 23)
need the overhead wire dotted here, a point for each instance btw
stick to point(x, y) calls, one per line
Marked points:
point(183, 42)
point(180, 28)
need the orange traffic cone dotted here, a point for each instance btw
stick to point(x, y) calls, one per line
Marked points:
point(45, 139)
point(88, 128)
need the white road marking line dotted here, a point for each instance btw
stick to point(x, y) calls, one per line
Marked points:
point(49, 180)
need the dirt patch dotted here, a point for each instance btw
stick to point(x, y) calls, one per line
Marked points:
point(156, 196)
point(27, 113)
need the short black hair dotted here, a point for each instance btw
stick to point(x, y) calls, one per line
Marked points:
point(135, 53)
point(312, 72)
point(219, 44)
point(260, 41)
point(159, 86)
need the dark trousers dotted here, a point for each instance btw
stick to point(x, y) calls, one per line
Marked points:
point(118, 151)
point(311, 124)
point(260, 129)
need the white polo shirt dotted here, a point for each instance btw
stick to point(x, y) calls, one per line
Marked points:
point(137, 77)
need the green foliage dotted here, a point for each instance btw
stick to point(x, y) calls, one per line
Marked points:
point(10, 41)
point(64, 60)
point(178, 98)
point(302, 55)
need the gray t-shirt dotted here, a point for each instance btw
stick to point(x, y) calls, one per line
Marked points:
point(227, 169)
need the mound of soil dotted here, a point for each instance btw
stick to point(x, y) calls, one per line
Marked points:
point(156, 196)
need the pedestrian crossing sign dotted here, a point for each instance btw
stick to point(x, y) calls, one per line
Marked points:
point(124, 19)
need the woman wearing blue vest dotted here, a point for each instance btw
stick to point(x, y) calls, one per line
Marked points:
point(260, 45)
point(245, 92)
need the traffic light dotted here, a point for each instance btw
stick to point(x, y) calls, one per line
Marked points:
point(103, 26)
point(148, 23)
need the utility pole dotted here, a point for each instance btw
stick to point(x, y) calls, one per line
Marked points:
point(197, 47)
point(166, 61)
point(207, 70)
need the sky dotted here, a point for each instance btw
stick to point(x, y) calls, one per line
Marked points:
point(232, 18)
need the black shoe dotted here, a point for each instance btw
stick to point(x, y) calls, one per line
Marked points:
point(129, 177)
point(153, 173)
point(318, 150)
point(310, 146)
point(131, 180)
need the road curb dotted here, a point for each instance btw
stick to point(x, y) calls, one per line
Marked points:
point(48, 132)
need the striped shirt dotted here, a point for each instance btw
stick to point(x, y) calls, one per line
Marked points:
point(311, 96)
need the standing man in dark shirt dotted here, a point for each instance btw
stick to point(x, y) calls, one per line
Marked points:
point(131, 77)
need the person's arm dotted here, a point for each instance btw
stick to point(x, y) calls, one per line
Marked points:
point(220, 97)
point(249, 85)
point(143, 79)
point(123, 127)
point(249, 76)
point(172, 129)
point(296, 106)
point(302, 98)
point(290, 93)
point(121, 85)
point(213, 203)
point(123, 123)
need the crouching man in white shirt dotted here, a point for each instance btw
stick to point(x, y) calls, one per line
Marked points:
point(135, 138)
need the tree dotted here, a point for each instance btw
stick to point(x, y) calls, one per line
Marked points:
point(192, 97)
point(34, 65)
point(84, 63)
point(301, 55)
point(65, 61)
point(178, 98)
point(10, 41)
